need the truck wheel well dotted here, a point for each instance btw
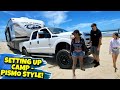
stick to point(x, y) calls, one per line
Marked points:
point(62, 45)
point(23, 48)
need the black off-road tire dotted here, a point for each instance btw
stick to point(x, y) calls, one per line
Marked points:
point(24, 52)
point(63, 59)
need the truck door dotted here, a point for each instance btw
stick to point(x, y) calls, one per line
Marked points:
point(43, 41)
point(33, 42)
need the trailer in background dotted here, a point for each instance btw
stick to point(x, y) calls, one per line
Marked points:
point(19, 30)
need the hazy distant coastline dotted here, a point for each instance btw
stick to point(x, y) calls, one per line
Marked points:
point(104, 34)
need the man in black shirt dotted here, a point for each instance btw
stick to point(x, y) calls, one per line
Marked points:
point(95, 40)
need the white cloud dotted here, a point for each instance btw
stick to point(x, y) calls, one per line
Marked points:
point(2, 33)
point(9, 12)
point(33, 14)
point(55, 18)
point(109, 24)
point(79, 26)
point(28, 15)
point(103, 24)
point(2, 27)
point(112, 21)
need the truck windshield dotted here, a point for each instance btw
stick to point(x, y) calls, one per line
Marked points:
point(57, 30)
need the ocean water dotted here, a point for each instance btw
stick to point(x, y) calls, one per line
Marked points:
point(108, 33)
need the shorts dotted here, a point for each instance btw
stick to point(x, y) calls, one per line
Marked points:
point(94, 50)
point(77, 54)
point(115, 51)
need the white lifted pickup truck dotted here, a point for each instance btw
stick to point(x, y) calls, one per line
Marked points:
point(53, 42)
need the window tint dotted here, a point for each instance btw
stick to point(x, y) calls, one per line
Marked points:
point(34, 36)
point(57, 30)
point(45, 34)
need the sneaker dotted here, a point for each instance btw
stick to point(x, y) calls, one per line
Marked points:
point(97, 64)
point(94, 62)
point(115, 69)
point(83, 69)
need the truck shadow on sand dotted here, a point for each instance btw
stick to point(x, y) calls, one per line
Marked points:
point(15, 51)
point(87, 61)
point(50, 61)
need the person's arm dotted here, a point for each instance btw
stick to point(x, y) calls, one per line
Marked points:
point(71, 47)
point(110, 47)
point(84, 46)
point(100, 40)
point(119, 43)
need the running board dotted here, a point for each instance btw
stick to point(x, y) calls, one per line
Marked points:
point(44, 56)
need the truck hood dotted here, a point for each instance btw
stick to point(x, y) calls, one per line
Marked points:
point(65, 34)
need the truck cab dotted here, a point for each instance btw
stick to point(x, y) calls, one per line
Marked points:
point(42, 41)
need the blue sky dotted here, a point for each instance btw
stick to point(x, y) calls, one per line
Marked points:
point(68, 20)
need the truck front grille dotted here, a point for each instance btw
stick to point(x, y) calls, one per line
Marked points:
point(87, 38)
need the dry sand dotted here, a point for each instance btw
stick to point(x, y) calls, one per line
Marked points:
point(104, 71)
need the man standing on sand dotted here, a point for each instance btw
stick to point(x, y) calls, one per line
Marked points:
point(95, 40)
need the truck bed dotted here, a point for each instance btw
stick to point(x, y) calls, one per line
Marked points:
point(15, 42)
point(20, 39)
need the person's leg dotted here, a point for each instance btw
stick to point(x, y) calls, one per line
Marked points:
point(81, 63)
point(116, 56)
point(97, 57)
point(93, 54)
point(74, 65)
point(113, 57)
point(94, 58)
point(97, 54)
point(114, 61)
point(97, 61)
point(81, 55)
